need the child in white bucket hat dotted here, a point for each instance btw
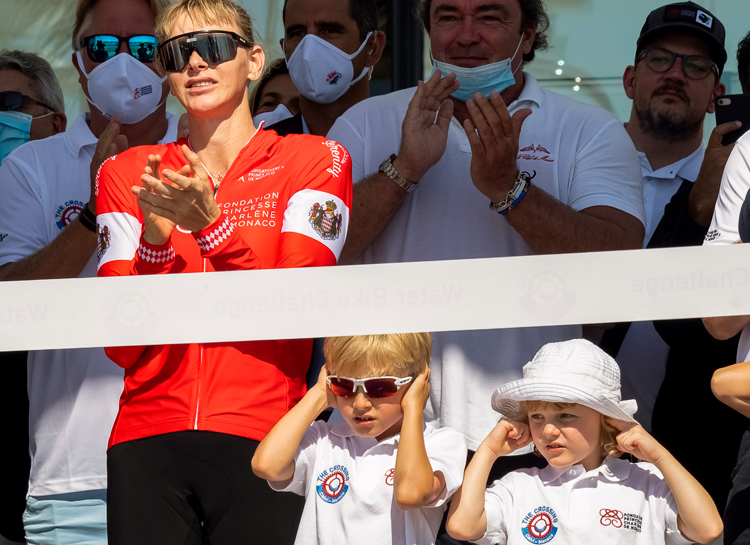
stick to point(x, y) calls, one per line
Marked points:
point(569, 404)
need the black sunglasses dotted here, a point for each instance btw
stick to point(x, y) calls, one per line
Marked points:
point(102, 47)
point(13, 101)
point(694, 66)
point(214, 47)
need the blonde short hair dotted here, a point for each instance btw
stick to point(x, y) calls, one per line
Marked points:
point(607, 433)
point(214, 12)
point(401, 354)
point(83, 18)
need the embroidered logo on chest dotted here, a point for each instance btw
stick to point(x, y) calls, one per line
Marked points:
point(325, 221)
point(260, 173)
point(67, 212)
point(539, 525)
point(535, 153)
point(389, 476)
point(333, 484)
point(618, 519)
point(712, 235)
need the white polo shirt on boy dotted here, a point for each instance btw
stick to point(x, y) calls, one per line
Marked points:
point(724, 228)
point(618, 502)
point(347, 482)
point(582, 157)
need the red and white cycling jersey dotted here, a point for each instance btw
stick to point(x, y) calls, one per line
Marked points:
point(285, 203)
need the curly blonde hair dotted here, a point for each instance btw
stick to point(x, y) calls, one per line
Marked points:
point(607, 432)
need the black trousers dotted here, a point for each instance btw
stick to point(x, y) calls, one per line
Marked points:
point(194, 488)
point(737, 513)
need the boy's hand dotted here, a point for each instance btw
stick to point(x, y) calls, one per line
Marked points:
point(633, 439)
point(323, 390)
point(506, 437)
point(418, 391)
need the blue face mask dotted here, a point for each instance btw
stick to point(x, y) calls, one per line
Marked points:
point(14, 131)
point(497, 76)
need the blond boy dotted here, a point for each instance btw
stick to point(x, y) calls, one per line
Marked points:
point(382, 476)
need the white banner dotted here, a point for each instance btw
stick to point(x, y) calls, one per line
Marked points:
point(597, 287)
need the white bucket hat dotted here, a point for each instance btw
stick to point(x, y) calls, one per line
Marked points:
point(575, 371)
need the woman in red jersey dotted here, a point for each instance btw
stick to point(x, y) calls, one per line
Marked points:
point(230, 196)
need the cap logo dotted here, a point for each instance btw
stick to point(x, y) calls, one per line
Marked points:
point(703, 18)
point(677, 13)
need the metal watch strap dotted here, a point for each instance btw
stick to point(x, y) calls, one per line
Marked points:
point(514, 196)
point(387, 168)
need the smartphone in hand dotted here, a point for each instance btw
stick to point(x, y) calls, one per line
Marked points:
point(733, 108)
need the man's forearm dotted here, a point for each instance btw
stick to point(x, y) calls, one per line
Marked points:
point(725, 327)
point(64, 257)
point(551, 227)
point(375, 201)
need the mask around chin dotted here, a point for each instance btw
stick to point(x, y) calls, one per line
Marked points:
point(15, 128)
point(497, 76)
point(279, 114)
point(125, 87)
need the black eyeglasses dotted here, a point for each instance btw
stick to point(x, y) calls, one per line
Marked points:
point(214, 47)
point(13, 101)
point(694, 66)
point(102, 47)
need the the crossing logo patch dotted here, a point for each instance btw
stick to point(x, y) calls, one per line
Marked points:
point(333, 484)
point(539, 525)
point(67, 212)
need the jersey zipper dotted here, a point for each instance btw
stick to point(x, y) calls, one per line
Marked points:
point(200, 359)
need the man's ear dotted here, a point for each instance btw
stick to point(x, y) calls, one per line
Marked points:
point(59, 122)
point(374, 48)
point(719, 91)
point(529, 35)
point(628, 82)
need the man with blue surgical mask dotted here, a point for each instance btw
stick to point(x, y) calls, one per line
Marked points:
point(48, 230)
point(482, 162)
point(330, 47)
point(31, 101)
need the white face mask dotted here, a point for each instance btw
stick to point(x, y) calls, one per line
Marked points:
point(321, 71)
point(279, 114)
point(124, 87)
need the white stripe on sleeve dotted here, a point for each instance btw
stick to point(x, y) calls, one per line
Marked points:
point(119, 235)
point(318, 215)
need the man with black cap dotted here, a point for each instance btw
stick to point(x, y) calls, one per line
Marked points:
point(667, 367)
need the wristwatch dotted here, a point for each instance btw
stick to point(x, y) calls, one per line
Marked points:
point(520, 187)
point(387, 168)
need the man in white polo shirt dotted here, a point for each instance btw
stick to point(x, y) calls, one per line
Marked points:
point(47, 230)
point(569, 182)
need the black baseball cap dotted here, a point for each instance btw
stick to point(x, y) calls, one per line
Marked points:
point(689, 17)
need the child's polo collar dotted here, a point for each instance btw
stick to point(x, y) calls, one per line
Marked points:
point(612, 469)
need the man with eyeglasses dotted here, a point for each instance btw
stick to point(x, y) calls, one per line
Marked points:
point(48, 230)
point(667, 366)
